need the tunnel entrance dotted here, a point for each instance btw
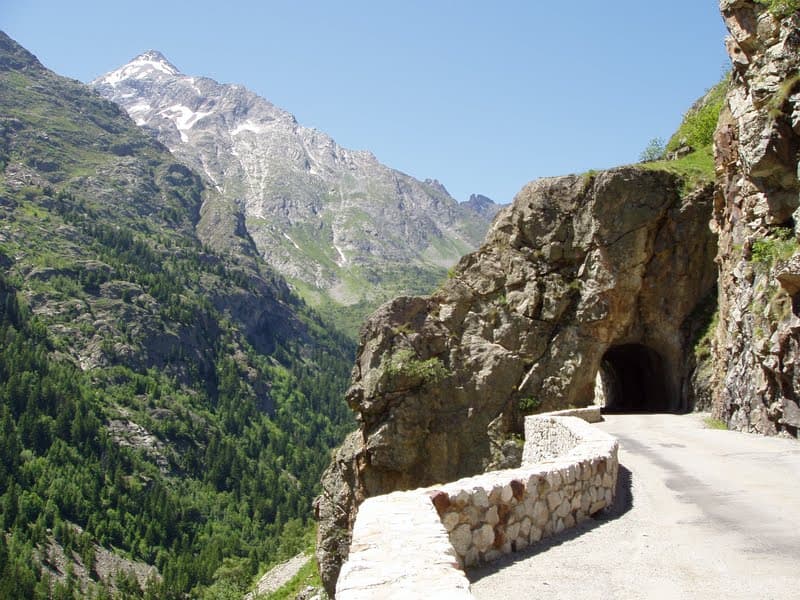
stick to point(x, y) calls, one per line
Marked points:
point(632, 378)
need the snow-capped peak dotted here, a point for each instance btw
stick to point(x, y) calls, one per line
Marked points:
point(146, 64)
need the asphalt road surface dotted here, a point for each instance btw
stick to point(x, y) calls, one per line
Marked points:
point(699, 513)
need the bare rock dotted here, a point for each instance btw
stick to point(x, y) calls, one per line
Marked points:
point(576, 267)
point(756, 200)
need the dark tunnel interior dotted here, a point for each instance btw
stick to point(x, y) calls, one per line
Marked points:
point(634, 380)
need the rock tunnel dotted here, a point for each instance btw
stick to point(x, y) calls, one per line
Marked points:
point(634, 378)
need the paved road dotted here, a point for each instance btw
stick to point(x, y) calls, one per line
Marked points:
point(699, 513)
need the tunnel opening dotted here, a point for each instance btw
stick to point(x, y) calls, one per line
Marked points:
point(633, 378)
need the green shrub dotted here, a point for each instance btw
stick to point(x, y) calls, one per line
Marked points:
point(404, 363)
point(781, 8)
point(714, 423)
point(769, 250)
point(528, 405)
point(653, 151)
point(700, 121)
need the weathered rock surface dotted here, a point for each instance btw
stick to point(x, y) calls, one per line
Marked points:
point(757, 141)
point(578, 266)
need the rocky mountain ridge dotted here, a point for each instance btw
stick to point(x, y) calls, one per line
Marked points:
point(334, 221)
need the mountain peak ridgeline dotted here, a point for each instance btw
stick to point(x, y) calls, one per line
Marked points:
point(336, 222)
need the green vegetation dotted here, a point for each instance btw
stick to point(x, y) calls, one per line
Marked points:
point(307, 576)
point(404, 363)
point(653, 151)
point(702, 347)
point(781, 245)
point(700, 121)
point(696, 169)
point(166, 402)
point(714, 423)
point(372, 285)
point(697, 132)
point(777, 104)
point(528, 405)
point(781, 8)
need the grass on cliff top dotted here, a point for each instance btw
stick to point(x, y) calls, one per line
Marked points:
point(696, 169)
point(700, 121)
point(697, 131)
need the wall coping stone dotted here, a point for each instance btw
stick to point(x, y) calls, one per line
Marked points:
point(417, 543)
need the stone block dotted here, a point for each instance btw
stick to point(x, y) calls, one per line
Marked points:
point(536, 534)
point(480, 498)
point(462, 498)
point(559, 526)
point(517, 489)
point(483, 537)
point(495, 493)
point(472, 558)
point(441, 501)
point(540, 513)
point(461, 539)
point(492, 554)
point(525, 526)
point(491, 517)
point(507, 493)
point(599, 505)
point(451, 520)
point(553, 500)
point(471, 515)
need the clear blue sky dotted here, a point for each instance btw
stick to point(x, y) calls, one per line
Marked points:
point(483, 96)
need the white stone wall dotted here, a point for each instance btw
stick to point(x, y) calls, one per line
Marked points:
point(417, 543)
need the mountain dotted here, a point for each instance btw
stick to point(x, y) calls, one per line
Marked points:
point(166, 408)
point(340, 225)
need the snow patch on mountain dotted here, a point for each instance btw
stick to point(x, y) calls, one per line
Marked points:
point(248, 126)
point(142, 67)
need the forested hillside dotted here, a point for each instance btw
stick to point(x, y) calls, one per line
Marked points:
point(161, 402)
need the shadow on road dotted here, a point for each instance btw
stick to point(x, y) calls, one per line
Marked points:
point(623, 502)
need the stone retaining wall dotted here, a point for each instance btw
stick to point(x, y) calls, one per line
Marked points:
point(417, 543)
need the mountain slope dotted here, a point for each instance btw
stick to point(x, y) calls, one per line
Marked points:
point(332, 220)
point(158, 398)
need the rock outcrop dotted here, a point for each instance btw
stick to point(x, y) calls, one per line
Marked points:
point(757, 347)
point(582, 274)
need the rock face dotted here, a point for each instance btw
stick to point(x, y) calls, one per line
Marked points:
point(581, 275)
point(758, 339)
point(322, 215)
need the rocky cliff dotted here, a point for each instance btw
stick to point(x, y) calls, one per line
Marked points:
point(334, 221)
point(600, 273)
point(755, 212)
point(600, 287)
